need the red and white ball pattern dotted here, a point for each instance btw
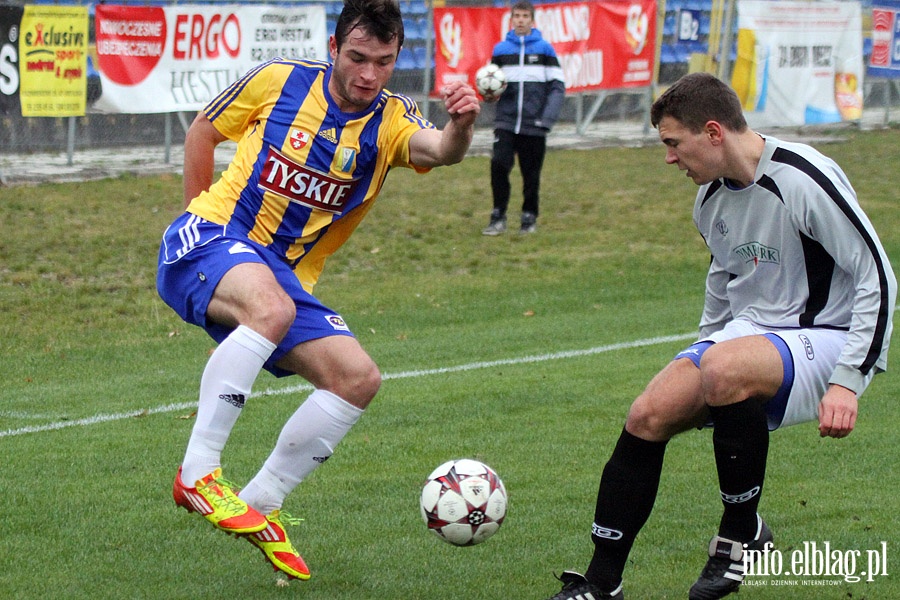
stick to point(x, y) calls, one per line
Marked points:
point(463, 502)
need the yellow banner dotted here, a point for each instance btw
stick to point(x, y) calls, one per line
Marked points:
point(53, 44)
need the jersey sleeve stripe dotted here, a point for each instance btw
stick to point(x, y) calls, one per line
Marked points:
point(410, 111)
point(220, 102)
point(883, 320)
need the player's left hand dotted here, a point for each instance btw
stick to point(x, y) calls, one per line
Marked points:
point(461, 102)
point(837, 412)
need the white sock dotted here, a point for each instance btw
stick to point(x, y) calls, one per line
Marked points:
point(225, 385)
point(307, 440)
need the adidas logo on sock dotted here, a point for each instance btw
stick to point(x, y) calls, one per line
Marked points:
point(236, 400)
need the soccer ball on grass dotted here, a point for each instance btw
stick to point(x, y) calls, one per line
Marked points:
point(463, 502)
point(490, 81)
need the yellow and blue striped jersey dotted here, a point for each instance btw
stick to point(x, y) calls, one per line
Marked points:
point(304, 173)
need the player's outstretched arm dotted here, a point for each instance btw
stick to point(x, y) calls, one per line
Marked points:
point(199, 156)
point(433, 148)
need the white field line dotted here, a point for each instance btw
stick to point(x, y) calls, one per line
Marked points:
point(537, 358)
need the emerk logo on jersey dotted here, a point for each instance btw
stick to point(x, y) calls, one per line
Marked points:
point(758, 253)
point(304, 185)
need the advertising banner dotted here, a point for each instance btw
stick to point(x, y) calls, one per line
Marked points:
point(799, 63)
point(885, 58)
point(10, 19)
point(601, 45)
point(53, 49)
point(178, 58)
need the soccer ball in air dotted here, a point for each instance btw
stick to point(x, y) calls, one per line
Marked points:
point(490, 81)
point(463, 502)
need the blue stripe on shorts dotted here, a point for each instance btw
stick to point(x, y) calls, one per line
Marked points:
point(775, 408)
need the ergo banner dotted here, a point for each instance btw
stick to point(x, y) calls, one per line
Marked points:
point(178, 58)
point(608, 44)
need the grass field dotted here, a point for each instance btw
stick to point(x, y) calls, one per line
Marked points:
point(524, 352)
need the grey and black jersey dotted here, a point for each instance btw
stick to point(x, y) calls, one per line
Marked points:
point(795, 250)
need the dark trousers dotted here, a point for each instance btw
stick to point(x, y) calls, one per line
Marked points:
point(531, 150)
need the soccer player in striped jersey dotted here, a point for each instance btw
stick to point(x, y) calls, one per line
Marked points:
point(797, 320)
point(315, 141)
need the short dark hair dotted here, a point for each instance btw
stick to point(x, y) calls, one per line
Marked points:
point(523, 5)
point(696, 99)
point(380, 18)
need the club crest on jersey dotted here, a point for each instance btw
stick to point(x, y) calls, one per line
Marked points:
point(305, 185)
point(337, 322)
point(756, 252)
point(299, 139)
point(345, 160)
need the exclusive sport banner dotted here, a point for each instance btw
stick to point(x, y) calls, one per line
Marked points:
point(53, 50)
point(155, 59)
point(603, 45)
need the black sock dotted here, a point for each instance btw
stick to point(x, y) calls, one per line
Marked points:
point(741, 446)
point(627, 493)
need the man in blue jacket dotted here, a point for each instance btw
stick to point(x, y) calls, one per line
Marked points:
point(525, 113)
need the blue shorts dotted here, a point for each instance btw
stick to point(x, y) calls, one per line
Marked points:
point(194, 256)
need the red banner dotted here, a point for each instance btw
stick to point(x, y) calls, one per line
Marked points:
point(130, 41)
point(601, 45)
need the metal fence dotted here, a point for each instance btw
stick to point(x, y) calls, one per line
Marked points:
point(414, 76)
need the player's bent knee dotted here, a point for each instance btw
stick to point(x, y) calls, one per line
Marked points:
point(670, 405)
point(359, 385)
point(370, 381)
point(721, 376)
point(273, 319)
point(647, 420)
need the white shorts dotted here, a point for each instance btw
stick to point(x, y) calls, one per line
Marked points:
point(809, 355)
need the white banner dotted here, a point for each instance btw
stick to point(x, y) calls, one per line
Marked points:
point(799, 63)
point(178, 58)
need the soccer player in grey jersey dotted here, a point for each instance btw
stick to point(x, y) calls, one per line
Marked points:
point(797, 320)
